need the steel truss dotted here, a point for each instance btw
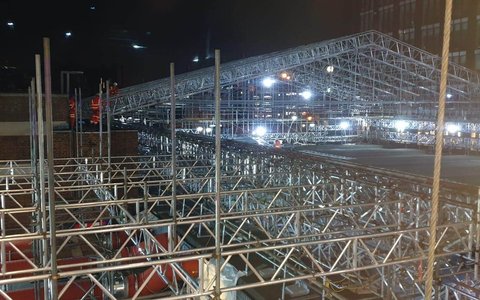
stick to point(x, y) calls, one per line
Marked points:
point(459, 135)
point(284, 218)
point(360, 78)
point(372, 72)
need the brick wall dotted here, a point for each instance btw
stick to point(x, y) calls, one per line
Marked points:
point(15, 108)
point(124, 143)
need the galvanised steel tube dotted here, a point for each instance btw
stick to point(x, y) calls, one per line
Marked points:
point(173, 126)
point(218, 170)
point(51, 179)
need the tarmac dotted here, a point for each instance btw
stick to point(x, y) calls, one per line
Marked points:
point(457, 168)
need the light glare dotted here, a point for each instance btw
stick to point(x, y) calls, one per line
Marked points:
point(259, 131)
point(306, 95)
point(344, 125)
point(401, 125)
point(453, 128)
point(268, 82)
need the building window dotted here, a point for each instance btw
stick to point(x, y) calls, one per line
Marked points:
point(459, 57)
point(477, 59)
point(431, 11)
point(407, 13)
point(460, 25)
point(367, 5)
point(407, 35)
point(478, 30)
point(366, 20)
point(430, 35)
point(386, 18)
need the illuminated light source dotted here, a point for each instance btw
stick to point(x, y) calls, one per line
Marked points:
point(330, 69)
point(196, 59)
point(294, 118)
point(312, 125)
point(259, 131)
point(136, 46)
point(284, 75)
point(452, 128)
point(199, 129)
point(401, 125)
point(329, 90)
point(10, 24)
point(268, 82)
point(449, 96)
point(68, 34)
point(344, 125)
point(309, 118)
point(208, 130)
point(306, 95)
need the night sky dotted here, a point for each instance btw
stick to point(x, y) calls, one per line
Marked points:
point(103, 33)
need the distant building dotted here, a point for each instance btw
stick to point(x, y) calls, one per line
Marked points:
point(420, 23)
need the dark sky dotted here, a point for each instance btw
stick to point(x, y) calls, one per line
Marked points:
point(103, 32)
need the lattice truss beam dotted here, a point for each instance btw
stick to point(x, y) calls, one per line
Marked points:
point(372, 72)
point(300, 219)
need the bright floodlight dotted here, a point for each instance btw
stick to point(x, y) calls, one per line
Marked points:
point(401, 125)
point(344, 125)
point(208, 130)
point(268, 82)
point(10, 24)
point(312, 125)
point(306, 95)
point(259, 131)
point(329, 90)
point(284, 75)
point(294, 118)
point(68, 34)
point(449, 96)
point(135, 46)
point(330, 69)
point(199, 129)
point(453, 128)
point(196, 59)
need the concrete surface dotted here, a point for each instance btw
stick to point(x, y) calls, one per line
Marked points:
point(457, 168)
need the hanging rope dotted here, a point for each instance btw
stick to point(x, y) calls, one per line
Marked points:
point(438, 150)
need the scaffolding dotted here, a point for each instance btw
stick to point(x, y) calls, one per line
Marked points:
point(173, 223)
point(283, 220)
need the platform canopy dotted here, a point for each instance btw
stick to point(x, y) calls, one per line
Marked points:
point(362, 71)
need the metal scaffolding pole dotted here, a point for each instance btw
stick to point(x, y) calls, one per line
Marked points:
point(100, 121)
point(173, 108)
point(80, 108)
point(77, 152)
point(218, 174)
point(109, 133)
point(53, 286)
point(41, 166)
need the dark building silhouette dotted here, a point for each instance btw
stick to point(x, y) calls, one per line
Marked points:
point(420, 23)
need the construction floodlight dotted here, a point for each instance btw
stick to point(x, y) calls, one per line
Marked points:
point(306, 95)
point(268, 82)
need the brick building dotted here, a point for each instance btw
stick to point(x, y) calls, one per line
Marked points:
point(420, 23)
